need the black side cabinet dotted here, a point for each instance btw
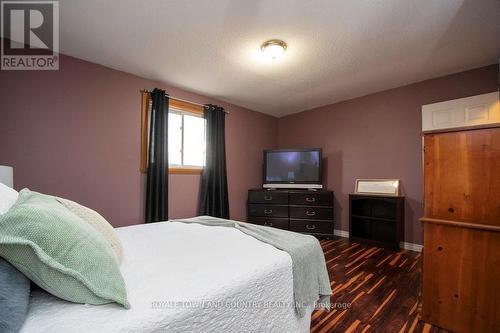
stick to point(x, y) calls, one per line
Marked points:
point(377, 220)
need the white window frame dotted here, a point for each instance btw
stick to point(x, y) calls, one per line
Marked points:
point(182, 165)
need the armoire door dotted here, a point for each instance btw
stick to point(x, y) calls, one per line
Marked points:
point(462, 176)
point(461, 255)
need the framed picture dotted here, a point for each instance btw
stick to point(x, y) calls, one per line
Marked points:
point(377, 186)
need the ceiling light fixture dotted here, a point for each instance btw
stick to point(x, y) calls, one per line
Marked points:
point(273, 49)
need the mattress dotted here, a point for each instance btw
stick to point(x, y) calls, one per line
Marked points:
point(185, 278)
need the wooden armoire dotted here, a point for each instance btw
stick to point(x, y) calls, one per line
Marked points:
point(461, 254)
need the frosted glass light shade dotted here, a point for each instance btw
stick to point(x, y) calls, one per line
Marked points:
point(7, 175)
point(273, 49)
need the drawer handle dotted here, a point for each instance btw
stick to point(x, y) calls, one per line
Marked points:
point(268, 224)
point(310, 213)
point(310, 226)
point(268, 211)
point(310, 199)
point(268, 197)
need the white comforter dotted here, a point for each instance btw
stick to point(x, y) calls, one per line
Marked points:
point(189, 263)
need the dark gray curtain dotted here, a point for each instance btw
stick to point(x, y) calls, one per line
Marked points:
point(213, 192)
point(157, 179)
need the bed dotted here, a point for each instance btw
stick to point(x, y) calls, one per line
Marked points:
point(186, 278)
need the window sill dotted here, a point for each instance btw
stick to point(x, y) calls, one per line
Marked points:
point(185, 171)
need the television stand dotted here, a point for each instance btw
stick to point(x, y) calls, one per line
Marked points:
point(303, 210)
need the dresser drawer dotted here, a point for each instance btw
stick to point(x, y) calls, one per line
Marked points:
point(310, 198)
point(268, 197)
point(267, 210)
point(311, 212)
point(270, 222)
point(312, 226)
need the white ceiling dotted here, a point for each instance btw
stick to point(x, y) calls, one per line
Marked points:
point(337, 50)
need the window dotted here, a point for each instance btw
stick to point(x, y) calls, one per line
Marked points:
point(186, 136)
point(186, 139)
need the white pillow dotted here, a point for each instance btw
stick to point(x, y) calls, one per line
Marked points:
point(8, 196)
point(98, 222)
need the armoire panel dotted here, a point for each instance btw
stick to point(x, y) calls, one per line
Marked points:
point(462, 176)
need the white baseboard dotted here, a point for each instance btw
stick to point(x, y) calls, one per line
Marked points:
point(404, 245)
point(341, 233)
point(411, 246)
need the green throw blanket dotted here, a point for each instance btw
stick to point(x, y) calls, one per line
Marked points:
point(311, 284)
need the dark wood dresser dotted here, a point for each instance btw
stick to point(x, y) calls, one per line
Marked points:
point(377, 220)
point(303, 211)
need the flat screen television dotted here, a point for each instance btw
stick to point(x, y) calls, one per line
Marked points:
point(292, 168)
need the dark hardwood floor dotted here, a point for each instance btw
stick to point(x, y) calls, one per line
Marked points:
point(381, 286)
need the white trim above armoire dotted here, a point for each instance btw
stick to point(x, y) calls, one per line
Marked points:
point(479, 110)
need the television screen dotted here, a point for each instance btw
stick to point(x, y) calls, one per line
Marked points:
point(292, 166)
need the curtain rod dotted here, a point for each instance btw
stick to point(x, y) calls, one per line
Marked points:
point(182, 100)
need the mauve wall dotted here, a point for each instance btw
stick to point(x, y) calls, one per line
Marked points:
point(379, 136)
point(75, 133)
